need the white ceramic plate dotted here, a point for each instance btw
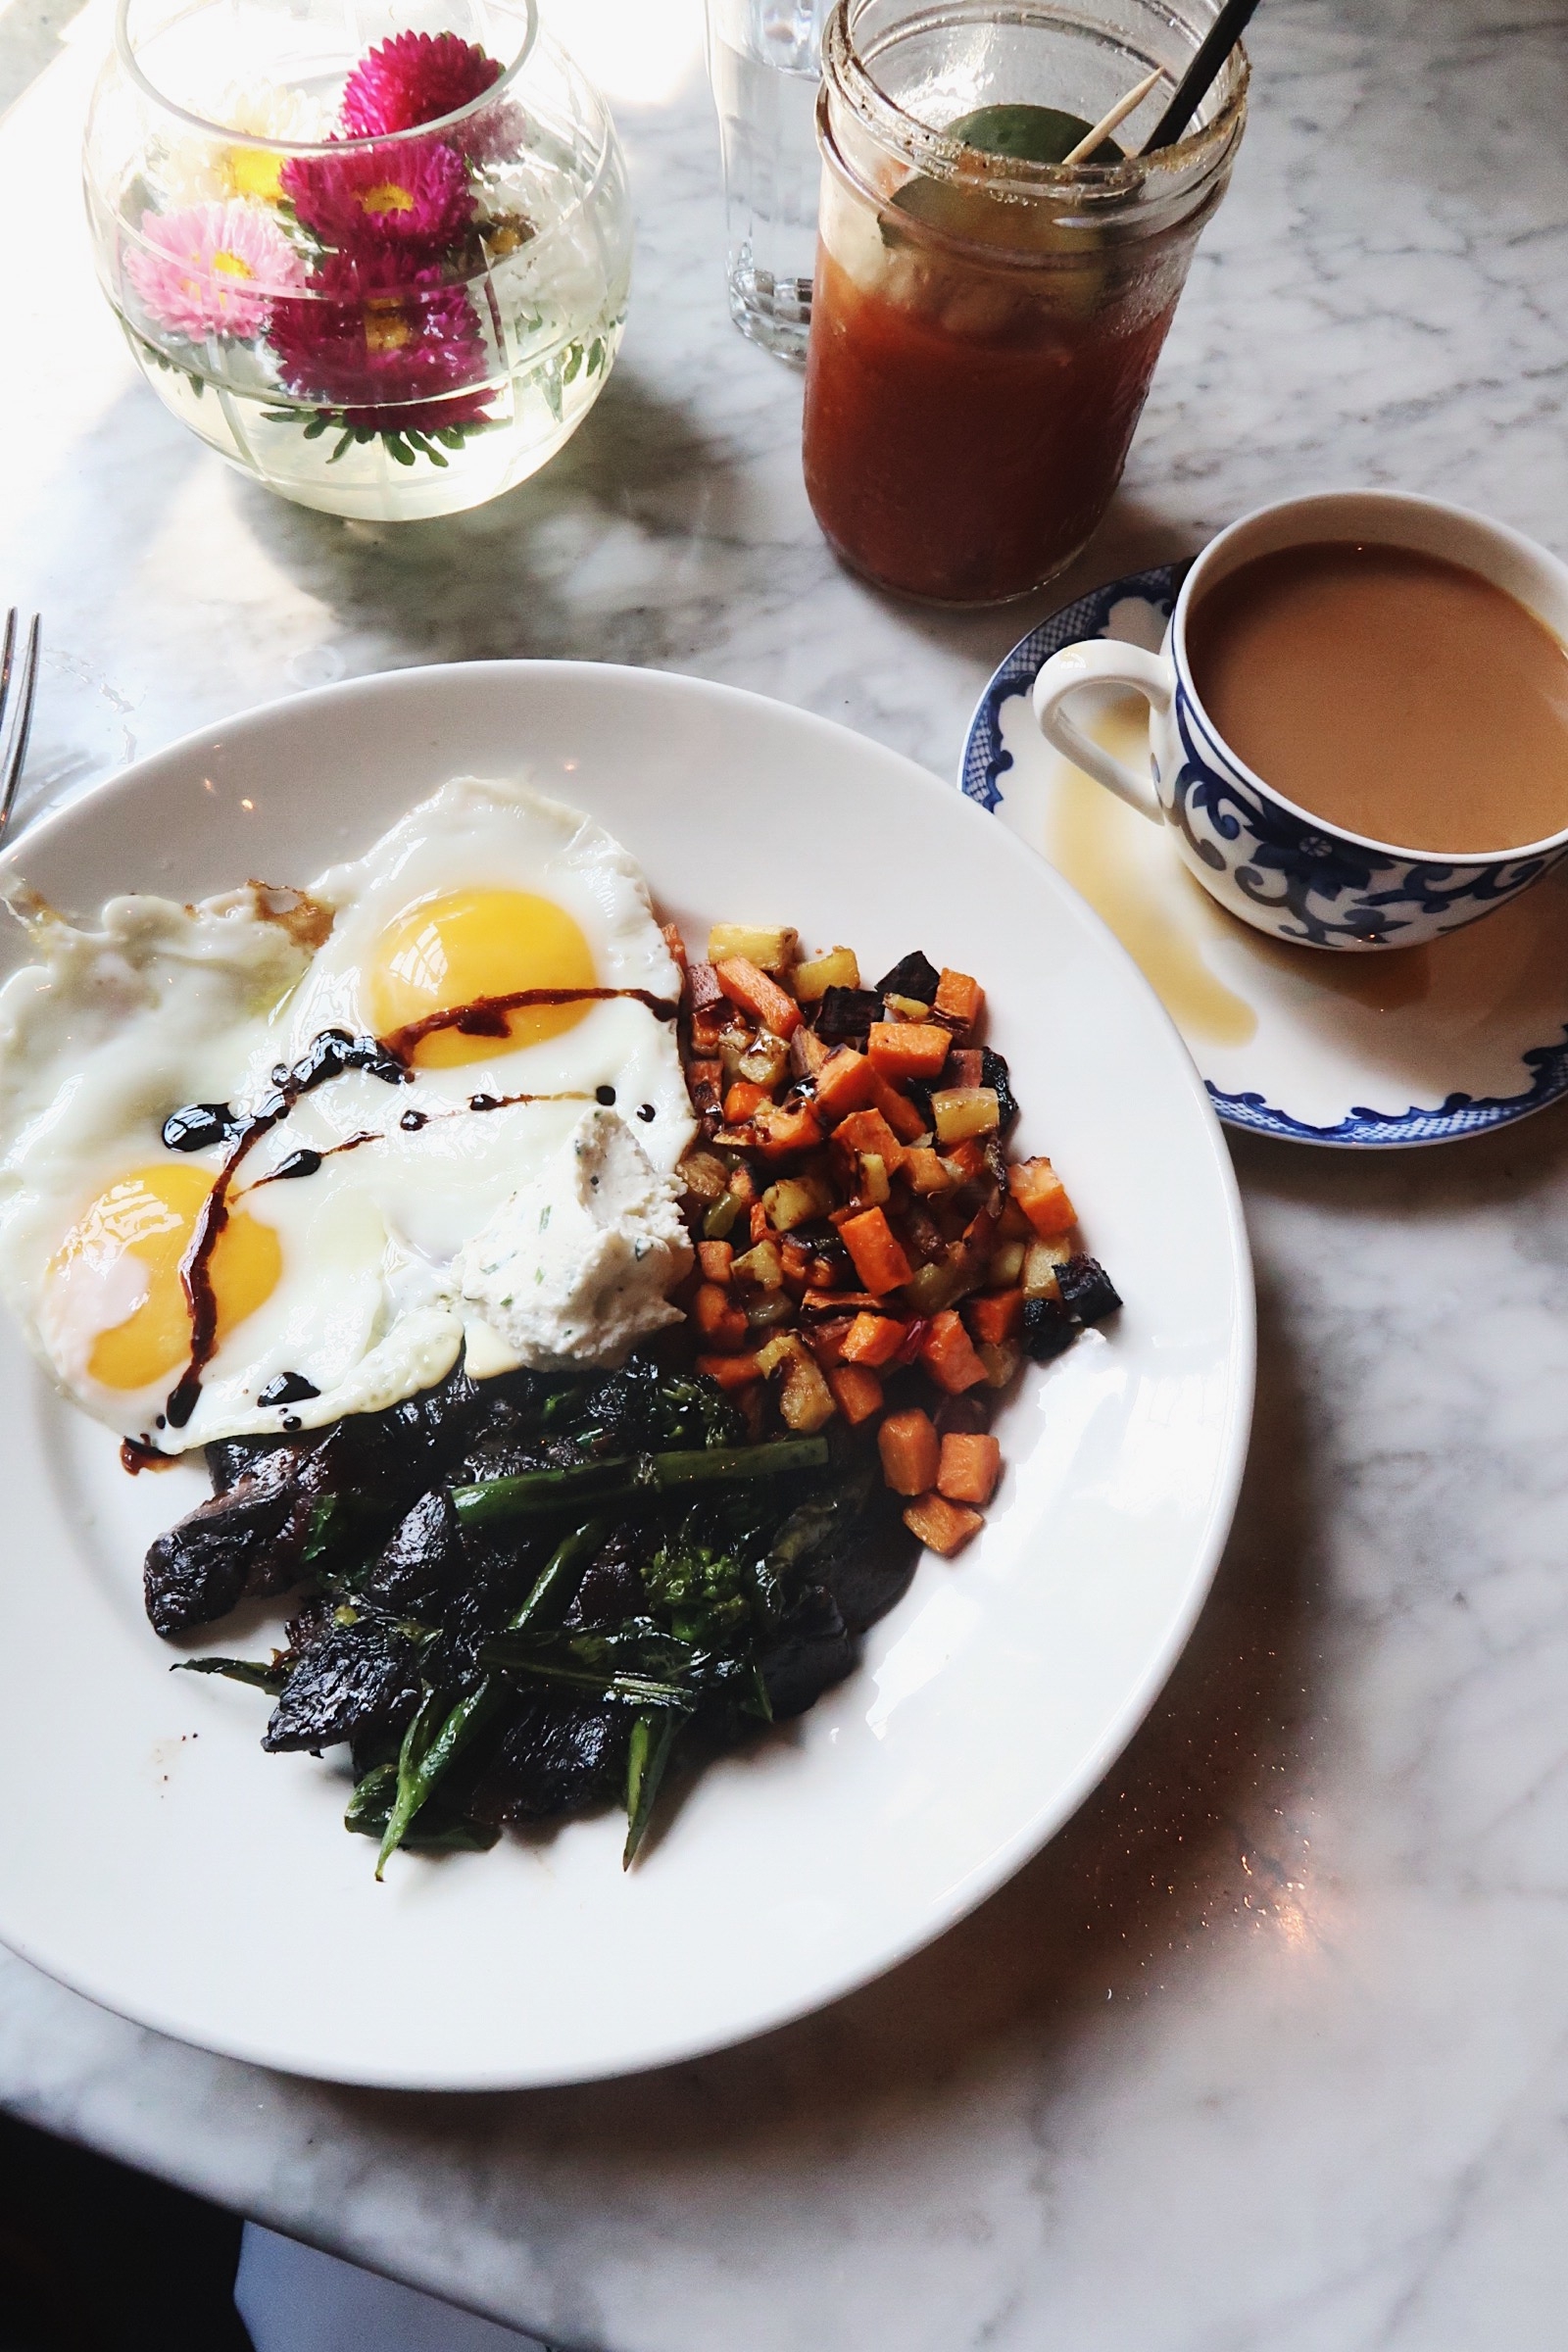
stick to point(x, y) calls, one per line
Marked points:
point(153, 1857)
point(1415, 1046)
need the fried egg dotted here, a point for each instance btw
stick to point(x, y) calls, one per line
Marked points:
point(315, 1226)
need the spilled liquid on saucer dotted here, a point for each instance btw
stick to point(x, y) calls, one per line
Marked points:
point(1129, 871)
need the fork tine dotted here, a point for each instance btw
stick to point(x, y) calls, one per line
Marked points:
point(15, 754)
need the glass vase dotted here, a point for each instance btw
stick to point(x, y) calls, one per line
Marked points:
point(377, 259)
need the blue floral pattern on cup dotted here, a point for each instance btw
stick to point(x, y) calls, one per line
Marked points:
point(1279, 872)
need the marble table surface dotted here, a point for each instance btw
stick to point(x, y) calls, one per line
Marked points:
point(1270, 2046)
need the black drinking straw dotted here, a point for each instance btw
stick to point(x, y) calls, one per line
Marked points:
point(1193, 88)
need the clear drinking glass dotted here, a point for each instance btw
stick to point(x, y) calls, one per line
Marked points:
point(376, 255)
point(764, 59)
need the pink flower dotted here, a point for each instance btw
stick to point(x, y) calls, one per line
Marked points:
point(416, 77)
point(387, 346)
point(214, 269)
point(411, 197)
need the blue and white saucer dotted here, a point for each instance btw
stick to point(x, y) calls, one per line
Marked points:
point(1413, 1046)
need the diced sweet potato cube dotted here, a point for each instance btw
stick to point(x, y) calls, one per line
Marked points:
point(877, 1255)
point(783, 1128)
point(925, 1169)
point(1043, 1196)
point(846, 1081)
point(957, 1112)
point(958, 1000)
point(966, 1160)
point(715, 1260)
point(942, 1526)
point(911, 1450)
point(995, 1315)
point(769, 951)
point(908, 1049)
point(838, 969)
point(905, 1118)
point(873, 1340)
point(868, 1131)
point(948, 1354)
point(969, 1469)
point(748, 986)
point(731, 1371)
point(742, 1100)
point(719, 1322)
point(796, 1263)
point(856, 1392)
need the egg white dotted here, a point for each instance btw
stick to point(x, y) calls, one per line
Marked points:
point(159, 1006)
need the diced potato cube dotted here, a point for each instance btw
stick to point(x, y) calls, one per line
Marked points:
point(795, 1201)
point(838, 969)
point(908, 1008)
point(874, 1188)
point(765, 1060)
point(1040, 1262)
point(770, 951)
point(805, 1400)
point(1006, 1264)
point(762, 1267)
point(960, 1111)
point(704, 1175)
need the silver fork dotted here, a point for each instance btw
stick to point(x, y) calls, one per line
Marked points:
point(15, 708)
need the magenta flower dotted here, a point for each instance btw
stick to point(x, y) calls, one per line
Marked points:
point(416, 77)
point(412, 197)
point(387, 347)
point(214, 268)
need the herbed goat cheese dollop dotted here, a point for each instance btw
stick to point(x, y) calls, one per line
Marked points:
point(578, 1265)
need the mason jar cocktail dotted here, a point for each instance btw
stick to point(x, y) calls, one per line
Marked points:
point(985, 323)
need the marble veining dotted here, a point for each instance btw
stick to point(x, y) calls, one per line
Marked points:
point(1268, 2053)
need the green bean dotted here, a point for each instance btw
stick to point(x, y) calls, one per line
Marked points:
point(533, 1493)
point(436, 1736)
point(652, 1739)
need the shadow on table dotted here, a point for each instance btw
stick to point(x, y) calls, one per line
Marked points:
point(636, 490)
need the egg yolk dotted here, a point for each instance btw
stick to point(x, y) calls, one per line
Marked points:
point(150, 1215)
point(444, 953)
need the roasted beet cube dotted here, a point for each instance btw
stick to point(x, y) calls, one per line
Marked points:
point(845, 1015)
point(994, 1073)
point(913, 976)
point(1087, 1289)
point(1047, 1328)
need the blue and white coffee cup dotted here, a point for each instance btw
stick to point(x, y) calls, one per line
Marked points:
point(1280, 868)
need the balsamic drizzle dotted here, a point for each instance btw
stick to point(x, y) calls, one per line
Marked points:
point(195, 1126)
point(486, 1016)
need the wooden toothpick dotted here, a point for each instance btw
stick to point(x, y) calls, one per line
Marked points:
point(1107, 122)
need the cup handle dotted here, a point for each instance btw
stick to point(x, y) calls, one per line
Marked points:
point(1102, 662)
